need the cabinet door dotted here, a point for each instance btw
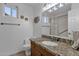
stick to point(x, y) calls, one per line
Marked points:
point(46, 52)
point(35, 51)
point(38, 50)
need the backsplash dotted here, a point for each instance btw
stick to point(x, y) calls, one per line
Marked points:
point(59, 39)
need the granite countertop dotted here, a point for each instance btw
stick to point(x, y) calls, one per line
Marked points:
point(63, 49)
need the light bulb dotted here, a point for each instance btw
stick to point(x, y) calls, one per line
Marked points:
point(50, 10)
point(61, 5)
point(55, 8)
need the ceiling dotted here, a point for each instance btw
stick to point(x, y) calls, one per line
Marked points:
point(63, 10)
point(35, 5)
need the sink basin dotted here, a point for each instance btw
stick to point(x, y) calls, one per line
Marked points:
point(49, 43)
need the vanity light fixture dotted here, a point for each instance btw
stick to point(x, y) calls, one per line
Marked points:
point(48, 6)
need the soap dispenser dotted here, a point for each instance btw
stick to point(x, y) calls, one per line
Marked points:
point(24, 45)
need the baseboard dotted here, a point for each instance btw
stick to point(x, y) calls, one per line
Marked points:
point(19, 53)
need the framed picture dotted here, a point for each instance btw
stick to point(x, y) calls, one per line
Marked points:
point(26, 19)
point(22, 17)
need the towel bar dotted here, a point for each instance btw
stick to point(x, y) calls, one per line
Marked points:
point(9, 24)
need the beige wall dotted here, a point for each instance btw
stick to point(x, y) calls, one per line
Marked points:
point(11, 37)
point(73, 20)
point(37, 26)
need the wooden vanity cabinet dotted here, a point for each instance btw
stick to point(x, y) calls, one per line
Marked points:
point(37, 50)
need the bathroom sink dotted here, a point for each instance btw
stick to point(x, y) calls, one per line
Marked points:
point(49, 43)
